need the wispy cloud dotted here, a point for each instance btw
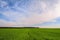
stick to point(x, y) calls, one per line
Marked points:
point(36, 12)
point(4, 23)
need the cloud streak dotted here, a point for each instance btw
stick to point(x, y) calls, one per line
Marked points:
point(36, 12)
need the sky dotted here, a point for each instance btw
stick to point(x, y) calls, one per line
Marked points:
point(30, 13)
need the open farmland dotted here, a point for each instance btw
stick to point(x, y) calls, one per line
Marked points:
point(29, 34)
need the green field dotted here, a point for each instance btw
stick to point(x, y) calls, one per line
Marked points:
point(29, 34)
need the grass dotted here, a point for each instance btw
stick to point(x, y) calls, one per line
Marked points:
point(29, 34)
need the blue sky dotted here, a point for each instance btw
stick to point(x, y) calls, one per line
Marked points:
point(22, 13)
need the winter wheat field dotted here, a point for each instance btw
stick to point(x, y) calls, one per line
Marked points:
point(29, 34)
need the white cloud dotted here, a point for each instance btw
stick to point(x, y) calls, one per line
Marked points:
point(50, 26)
point(4, 23)
point(35, 16)
point(3, 4)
